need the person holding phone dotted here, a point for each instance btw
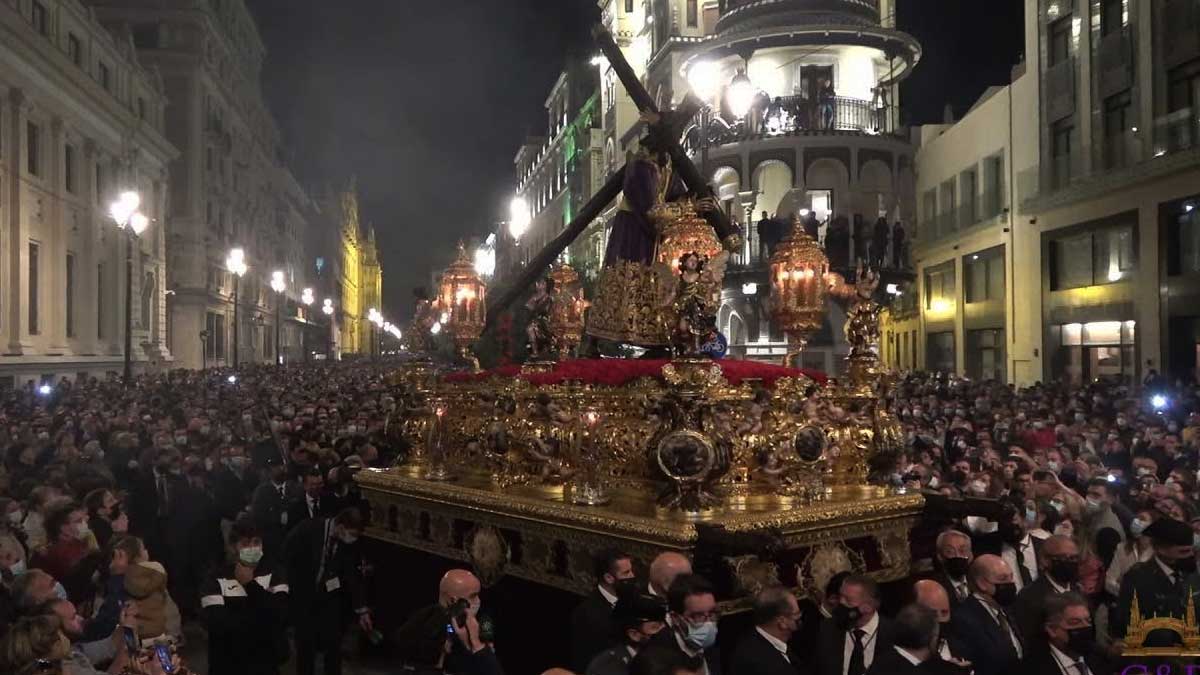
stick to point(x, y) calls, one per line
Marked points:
point(428, 636)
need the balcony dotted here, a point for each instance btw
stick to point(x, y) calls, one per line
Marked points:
point(739, 13)
point(1114, 56)
point(1060, 90)
point(795, 116)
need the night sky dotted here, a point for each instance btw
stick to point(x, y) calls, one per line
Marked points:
point(427, 103)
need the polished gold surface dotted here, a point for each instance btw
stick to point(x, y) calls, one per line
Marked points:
point(462, 296)
point(568, 311)
point(628, 304)
point(1139, 627)
point(798, 270)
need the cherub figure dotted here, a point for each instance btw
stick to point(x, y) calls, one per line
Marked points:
point(695, 299)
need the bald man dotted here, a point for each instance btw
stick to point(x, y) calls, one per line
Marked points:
point(1059, 563)
point(458, 585)
point(932, 595)
point(990, 634)
point(664, 569)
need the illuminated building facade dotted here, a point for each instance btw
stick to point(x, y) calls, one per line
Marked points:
point(1094, 246)
point(229, 188)
point(80, 122)
point(357, 281)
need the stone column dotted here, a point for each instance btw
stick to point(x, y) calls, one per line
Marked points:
point(55, 233)
point(15, 234)
point(85, 301)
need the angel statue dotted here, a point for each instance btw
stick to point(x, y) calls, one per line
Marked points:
point(696, 298)
point(862, 322)
point(416, 338)
point(537, 330)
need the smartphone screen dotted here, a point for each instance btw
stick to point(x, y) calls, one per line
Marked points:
point(131, 640)
point(163, 652)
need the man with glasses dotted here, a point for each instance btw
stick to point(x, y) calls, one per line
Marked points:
point(764, 650)
point(1069, 644)
point(1059, 564)
point(692, 621)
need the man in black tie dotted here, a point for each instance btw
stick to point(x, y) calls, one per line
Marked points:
point(982, 620)
point(856, 633)
point(307, 505)
point(952, 558)
point(950, 648)
point(916, 631)
point(1060, 572)
point(764, 650)
point(591, 622)
point(1067, 645)
point(269, 505)
point(1160, 583)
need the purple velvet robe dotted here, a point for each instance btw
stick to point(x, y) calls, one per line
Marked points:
point(633, 236)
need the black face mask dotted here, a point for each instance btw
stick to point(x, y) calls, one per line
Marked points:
point(956, 567)
point(1185, 565)
point(1005, 594)
point(845, 617)
point(626, 586)
point(1065, 572)
point(958, 477)
point(1081, 640)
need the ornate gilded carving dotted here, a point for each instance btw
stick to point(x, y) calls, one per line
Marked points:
point(1140, 627)
point(628, 304)
point(488, 553)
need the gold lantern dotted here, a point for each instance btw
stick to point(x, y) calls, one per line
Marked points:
point(462, 296)
point(683, 231)
point(798, 284)
point(566, 314)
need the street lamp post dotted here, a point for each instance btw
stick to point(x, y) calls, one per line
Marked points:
point(236, 264)
point(327, 308)
point(125, 214)
point(306, 296)
point(278, 285)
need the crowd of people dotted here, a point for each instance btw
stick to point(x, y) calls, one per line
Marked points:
point(228, 501)
point(225, 500)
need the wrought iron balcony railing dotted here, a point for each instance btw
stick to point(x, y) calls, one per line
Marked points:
point(794, 115)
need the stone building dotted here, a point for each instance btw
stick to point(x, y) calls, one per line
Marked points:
point(229, 188)
point(80, 122)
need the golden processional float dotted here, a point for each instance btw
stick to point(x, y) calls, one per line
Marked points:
point(757, 472)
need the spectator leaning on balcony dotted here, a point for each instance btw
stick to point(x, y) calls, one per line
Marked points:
point(827, 103)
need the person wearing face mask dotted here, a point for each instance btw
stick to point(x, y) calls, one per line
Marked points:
point(1067, 645)
point(915, 649)
point(244, 606)
point(1136, 549)
point(233, 485)
point(591, 621)
point(270, 503)
point(154, 497)
point(764, 650)
point(988, 630)
point(67, 555)
point(857, 633)
point(1160, 583)
point(638, 617)
point(323, 566)
point(952, 558)
point(692, 622)
point(307, 505)
point(1059, 574)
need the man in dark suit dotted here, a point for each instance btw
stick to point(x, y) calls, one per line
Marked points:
point(953, 556)
point(155, 495)
point(692, 622)
point(764, 650)
point(324, 576)
point(591, 622)
point(1059, 574)
point(983, 622)
point(950, 647)
point(307, 505)
point(850, 640)
point(269, 505)
point(233, 484)
point(1067, 644)
point(915, 631)
point(1161, 583)
point(638, 617)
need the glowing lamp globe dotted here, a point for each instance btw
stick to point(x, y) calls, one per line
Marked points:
point(462, 295)
point(798, 288)
point(740, 94)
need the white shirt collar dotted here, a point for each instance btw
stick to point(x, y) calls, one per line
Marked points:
point(1165, 568)
point(870, 627)
point(775, 642)
point(1057, 589)
point(608, 597)
point(1065, 663)
point(986, 605)
point(907, 657)
point(824, 612)
point(651, 591)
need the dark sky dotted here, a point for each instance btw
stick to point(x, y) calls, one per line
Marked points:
point(427, 103)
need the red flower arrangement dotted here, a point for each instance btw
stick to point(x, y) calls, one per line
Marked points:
point(618, 372)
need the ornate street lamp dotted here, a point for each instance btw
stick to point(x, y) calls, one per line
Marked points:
point(518, 218)
point(566, 313)
point(235, 262)
point(306, 297)
point(327, 308)
point(279, 286)
point(799, 270)
point(740, 95)
point(125, 214)
point(462, 296)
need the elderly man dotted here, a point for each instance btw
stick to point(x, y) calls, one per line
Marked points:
point(764, 651)
point(953, 556)
point(983, 622)
point(1059, 574)
point(664, 569)
point(1069, 647)
point(932, 596)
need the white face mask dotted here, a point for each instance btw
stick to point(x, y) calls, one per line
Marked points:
point(82, 530)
